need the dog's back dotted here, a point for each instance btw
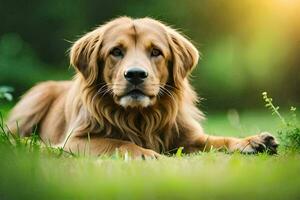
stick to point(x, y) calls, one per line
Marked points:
point(34, 106)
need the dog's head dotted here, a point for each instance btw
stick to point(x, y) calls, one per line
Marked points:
point(134, 60)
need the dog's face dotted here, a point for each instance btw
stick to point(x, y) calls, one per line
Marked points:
point(134, 60)
point(135, 63)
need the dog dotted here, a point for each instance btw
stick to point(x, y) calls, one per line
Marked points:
point(131, 93)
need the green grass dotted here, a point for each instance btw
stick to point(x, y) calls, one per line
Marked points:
point(44, 174)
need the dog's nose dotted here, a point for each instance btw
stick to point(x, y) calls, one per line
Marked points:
point(136, 75)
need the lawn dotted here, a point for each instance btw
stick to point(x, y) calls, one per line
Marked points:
point(26, 173)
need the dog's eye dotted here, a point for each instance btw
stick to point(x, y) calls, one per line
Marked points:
point(156, 52)
point(117, 52)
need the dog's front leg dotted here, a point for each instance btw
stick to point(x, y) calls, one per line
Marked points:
point(263, 142)
point(97, 146)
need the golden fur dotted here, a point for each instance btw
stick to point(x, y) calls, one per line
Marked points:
point(93, 112)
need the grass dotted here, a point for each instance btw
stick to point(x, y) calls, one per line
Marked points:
point(43, 173)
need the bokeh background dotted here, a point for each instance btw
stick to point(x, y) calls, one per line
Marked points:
point(247, 46)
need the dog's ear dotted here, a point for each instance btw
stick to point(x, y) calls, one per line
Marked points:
point(185, 55)
point(85, 52)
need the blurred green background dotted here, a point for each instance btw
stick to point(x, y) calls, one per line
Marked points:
point(247, 46)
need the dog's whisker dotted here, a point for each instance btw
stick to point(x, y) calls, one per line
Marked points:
point(107, 88)
point(168, 93)
point(102, 91)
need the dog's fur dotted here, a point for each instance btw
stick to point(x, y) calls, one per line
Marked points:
point(95, 113)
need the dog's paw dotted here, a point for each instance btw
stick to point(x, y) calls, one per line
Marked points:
point(263, 142)
point(137, 152)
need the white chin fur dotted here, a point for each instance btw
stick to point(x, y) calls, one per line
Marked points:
point(128, 101)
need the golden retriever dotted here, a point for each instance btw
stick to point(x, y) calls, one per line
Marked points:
point(131, 92)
